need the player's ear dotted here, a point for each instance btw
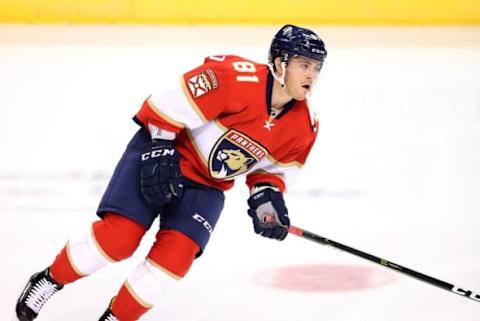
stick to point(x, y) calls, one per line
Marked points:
point(278, 64)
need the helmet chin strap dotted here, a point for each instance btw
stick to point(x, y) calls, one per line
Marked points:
point(280, 79)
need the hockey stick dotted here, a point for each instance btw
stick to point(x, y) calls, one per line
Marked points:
point(417, 275)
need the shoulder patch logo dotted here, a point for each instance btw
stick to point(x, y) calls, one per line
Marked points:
point(213, 78)
point(202, 83)
point(234, 154)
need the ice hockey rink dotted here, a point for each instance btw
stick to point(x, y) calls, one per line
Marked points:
point(395, 172)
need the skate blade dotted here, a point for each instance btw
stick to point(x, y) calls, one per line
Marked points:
point(15, 317)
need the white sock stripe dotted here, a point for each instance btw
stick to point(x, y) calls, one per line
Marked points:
point(140, 300)
point(85, 255)
point(156, 266)
point(72, 262)
point(149, 284)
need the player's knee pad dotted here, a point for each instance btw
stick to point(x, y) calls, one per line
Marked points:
point(111, 239)
point(174, 252)
point(117, 236)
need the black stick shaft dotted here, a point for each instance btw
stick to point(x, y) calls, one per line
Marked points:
point(397, 267)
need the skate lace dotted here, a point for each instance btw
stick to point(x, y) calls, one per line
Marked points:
point(111, 317)
point(40, 293)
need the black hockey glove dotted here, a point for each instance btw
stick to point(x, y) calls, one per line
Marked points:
point(269, 213)
point(160, 175)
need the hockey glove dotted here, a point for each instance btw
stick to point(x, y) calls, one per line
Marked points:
point(160, 175)
point(269, 213)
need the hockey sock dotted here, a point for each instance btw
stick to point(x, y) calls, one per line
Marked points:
point(111, 239)
point(62, 270)
point(170, 258)
point(127, 308)
point(174, 252)
point(117, 236)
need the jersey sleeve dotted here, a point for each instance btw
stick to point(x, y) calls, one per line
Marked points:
point(200, 96)
point(283, 172)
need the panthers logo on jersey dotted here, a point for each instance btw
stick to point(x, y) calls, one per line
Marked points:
point(234, 154)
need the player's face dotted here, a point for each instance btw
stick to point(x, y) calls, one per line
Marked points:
point(301, 75)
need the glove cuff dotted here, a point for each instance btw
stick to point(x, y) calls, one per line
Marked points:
point(160, 134)
point(261, 186)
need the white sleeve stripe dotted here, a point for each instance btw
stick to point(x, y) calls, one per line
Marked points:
point(287, 174)
point(191, 102)
point(175, 105)
point(197, 149)
point(280, 164)
point(221, 126)
point(157, 111)
point(263, 171)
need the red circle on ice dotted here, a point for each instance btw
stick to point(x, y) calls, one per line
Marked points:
point(324, 278)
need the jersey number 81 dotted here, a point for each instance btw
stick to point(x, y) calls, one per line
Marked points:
point(245, 67)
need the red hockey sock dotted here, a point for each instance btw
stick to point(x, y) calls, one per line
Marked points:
point(173, 251)
point(125, 307)
point(118, 236)
point(62, 270)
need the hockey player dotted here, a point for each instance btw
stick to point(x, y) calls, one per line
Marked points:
point(226, 118)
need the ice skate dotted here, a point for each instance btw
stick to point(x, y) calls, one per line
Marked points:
point(36, 293)
point(108, 314)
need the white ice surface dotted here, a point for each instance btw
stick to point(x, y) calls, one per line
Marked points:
point(395, 171)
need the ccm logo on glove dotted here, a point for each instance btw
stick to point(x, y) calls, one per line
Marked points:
point(158, 153)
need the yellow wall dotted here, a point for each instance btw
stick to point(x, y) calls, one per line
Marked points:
point(373, 12)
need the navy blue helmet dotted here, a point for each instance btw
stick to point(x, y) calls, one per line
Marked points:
point(291, 41)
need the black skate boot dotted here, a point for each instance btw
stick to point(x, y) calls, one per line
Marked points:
point(36, 293)
point(108, 314)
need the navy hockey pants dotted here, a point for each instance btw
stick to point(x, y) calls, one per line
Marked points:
point(195, 214)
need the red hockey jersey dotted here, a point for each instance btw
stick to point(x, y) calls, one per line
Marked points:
point(221, 113)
